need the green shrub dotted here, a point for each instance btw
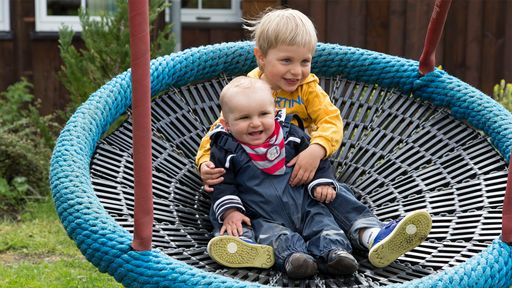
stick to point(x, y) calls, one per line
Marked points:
point(26, 140)
point(107, 50)
point(503, 93)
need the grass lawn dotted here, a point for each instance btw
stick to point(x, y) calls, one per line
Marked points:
point(36, 252)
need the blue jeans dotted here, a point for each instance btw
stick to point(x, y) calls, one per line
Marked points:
point(352, 215)
point(349, 213)
point(317, 234)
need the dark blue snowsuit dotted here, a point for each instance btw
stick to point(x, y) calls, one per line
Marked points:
point(284, 217)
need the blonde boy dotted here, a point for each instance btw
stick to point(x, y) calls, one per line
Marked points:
point(285, 43)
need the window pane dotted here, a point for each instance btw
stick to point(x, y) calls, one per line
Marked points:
point(216, 4)
point(100, 7)
point(192, 4)
point(62, 7)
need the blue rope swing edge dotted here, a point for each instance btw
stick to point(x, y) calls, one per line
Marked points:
point(107, 245)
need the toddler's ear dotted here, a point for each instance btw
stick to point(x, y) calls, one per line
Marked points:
point(224, 123)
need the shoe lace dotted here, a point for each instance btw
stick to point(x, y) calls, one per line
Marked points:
point(392, 223)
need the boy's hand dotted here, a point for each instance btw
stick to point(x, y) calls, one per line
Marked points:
point(210, 175)
point(306, 164)
point(233, 223)
point(324, 193)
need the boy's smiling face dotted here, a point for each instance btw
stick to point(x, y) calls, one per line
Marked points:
point(285, 67)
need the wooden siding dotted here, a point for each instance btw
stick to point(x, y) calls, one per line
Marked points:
point(476, 45)
point(33, 56)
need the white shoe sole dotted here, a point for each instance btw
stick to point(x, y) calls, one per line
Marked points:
point(407, 235)
point(232, 252)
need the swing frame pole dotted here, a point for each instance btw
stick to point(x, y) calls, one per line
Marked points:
point(434, 32)
point(141, 113)
point(506, 216)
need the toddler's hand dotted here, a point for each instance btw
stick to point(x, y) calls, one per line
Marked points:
point(210, 175)
point(306, 164)
point(233, 223)
point(324, 193)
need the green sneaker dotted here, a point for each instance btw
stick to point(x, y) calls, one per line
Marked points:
point(234, 252)
point(398, 237)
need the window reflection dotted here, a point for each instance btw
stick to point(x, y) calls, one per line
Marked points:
point(100, 7)
point(206, 4)
point(71, 7)
point(62, 7)
point(217, 4)
point(192, 4)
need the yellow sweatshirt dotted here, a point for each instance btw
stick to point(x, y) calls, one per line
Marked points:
point(311, 103)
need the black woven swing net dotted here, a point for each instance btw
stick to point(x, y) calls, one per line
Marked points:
point(398, 154)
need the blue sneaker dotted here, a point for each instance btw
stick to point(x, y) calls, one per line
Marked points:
point(235, 252)
point(398, 237)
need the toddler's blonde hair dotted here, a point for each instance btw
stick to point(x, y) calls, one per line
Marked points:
point(287, 27)
point(242, 84)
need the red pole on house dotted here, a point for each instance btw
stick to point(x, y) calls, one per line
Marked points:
point(434, 31)
point(141, 112)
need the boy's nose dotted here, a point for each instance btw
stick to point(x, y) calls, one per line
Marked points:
point(295, 70)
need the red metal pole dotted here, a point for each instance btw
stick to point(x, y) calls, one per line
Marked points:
point(434, 31)
point(141, 110)
point(506, 224)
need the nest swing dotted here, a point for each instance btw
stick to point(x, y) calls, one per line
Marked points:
point(411, 141)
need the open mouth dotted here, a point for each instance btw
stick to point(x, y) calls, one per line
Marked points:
point(255, 133)
point(291, 81)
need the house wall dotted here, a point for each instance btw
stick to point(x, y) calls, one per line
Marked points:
point(35, 56)
point(476, 45)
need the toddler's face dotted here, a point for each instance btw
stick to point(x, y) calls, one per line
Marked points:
point(286, 67)
point(250, 118)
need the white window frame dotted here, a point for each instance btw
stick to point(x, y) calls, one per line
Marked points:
point(232, 15)
point(5, 20)
point(50, 23)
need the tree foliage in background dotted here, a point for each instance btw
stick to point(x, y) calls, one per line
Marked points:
point(503, 93)
point(26, 142)
point(107, 50)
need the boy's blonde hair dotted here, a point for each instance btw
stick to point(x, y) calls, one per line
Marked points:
point(241, 83)
point(282, 27)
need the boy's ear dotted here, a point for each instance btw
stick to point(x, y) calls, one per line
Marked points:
point(260, 58)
